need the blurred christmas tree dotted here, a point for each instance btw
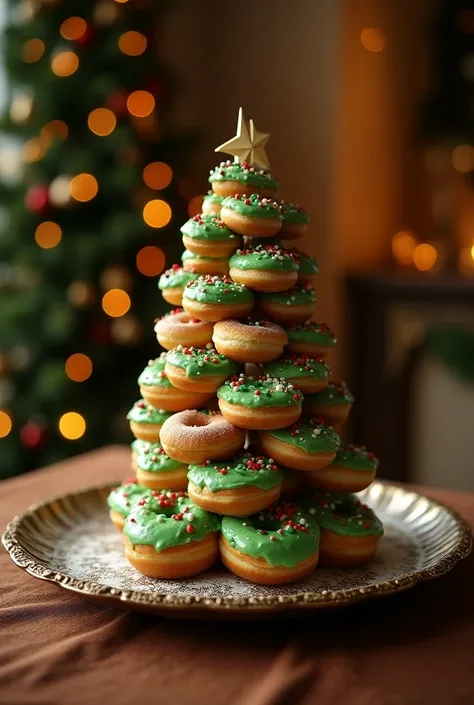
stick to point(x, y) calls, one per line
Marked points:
point(88, 193)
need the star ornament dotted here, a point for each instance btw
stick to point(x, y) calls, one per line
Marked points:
point(248, 145)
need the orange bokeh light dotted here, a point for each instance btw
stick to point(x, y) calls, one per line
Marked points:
point(195, 206)
point(73, 28)
point(48, 235)
point(72, 425)
point(157, 213)
point(78, 367)
point(116, 302)
point(425, 256)
point(373, 39)
point(140, 103)
point(33, 151)
point(157, 175)
point(403, 247)
point(132, 43)
point(5, 423)
point(150, 261)
point(83, 187)
point(101, 121)
point(32, 50)
point(52, 129)
point(65, 64)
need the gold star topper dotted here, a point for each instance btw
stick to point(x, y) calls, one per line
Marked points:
point(248, 145)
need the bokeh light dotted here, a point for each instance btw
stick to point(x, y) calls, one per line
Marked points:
point(157, 175)
point(81, 294)
point(59, 193)
point(121, 2)
point(140, 103)
point(195, 206)
point(150, 261)
point(373, 39)
point(157, 213)
point(425, 256)
point(48, 234)
point(78, 367)
point(65, 64)
point(403, 247)
point(72, 425)
point(32, 50)
point(73, 28)
point(101, 121)
point(463, 158)
point(33, 151)
point(52, 129)
point(5, 423)
point(132, 43)
point(116, 302)
point(83, 187)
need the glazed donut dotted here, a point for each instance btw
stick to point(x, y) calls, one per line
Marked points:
point(259, 403)
point(306, 445)
point(166, 536)
point(198, 369)
point(157, 471)
point(172, 283)
point(158, 391)
point(350, 531)
point(308, 267)
point(315, 339)
point(295, 221)
point(286, 307)
point(252, 216)
point(217, 298)
point(352, 470)
point(237, 487)
point(122, 499)
point(146, 421)
point(332, 404)
point(229, 178)
point(204, 265)
point(276, 546)
point(249, 340)
point(264, 268)
point(211, 204)
point(307, 373)
point(207, 236)
point(179, 328)
point(194, 436)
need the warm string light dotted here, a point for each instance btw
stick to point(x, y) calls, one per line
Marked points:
point(65, 64)
point(373, 39)
point(48, 235)
point(5, 423)
point(157, 175)
point(72, 425)
point(463, 158)
point(33, 50)
point(403, 247)
point(140, 103)
point(33, 151)
point(83, 187)
point(116, 303)
point(132, 43)
point(195, 206)
point(150, 261)
point(157, 213)
point(73, 28)
point(425, 256)
point(78, 367)
point(101, 122)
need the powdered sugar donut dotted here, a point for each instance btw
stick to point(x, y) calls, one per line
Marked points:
point(179, 328)
point(249, 340)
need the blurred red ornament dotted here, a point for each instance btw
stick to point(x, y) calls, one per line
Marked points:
point(32, 434)
point(100, 332)
point(86, 38)
point(117, 102)
point(36, 198)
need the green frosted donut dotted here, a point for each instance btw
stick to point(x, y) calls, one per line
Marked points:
point(309, 435)
point(312, 333)
point(154, 459)
point(244, 174)
point(355, 458)
point(254, 206)
point(188, 256)
point(293, 367)
point(144, 413)
point(283, 535)
point(246, 470)
point(308, 265)
point(343, 514)
point(123, 498)
point(297, 296)
point(266, 258)
point(212, 197)
point(201, 362)
point(175, 278)
point(257, 392)
point(293, 214)
point(167, 519)
point(154, 373)
point(208, 289)
point(332, 395)
point(208, 227)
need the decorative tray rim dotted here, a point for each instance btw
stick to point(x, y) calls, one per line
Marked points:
point(268, 603)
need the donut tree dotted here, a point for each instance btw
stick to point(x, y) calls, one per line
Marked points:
point(237, 425)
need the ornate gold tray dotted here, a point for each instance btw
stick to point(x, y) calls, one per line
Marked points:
point(70, 541)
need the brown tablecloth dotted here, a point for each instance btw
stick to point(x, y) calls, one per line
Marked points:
point(56, 648)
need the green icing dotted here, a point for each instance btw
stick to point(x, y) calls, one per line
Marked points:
point(294, 366)
point(187, 255)
point(141, 412)
point(199, 362)
point(343, 514)
point(244, 174)
point(175, 278)
point(254, 206)
point(163, 519)
point(256, 392)
point(308, 265)
point(207, 227)
point(318, 333)
point(266, 257)
point(124, 498)
point(154, 374)
point(356, 458)
point(209, 289)
point(298, 296)
point(275, 241)
point(138, 446)
point(212, 197)
point(309, 435)
point(244, 471)
point(332, 395)
point(283, 535)
point(294, 214)
point(154, 459)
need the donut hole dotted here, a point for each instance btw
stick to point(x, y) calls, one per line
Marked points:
point(266, 523)
point(197, 421)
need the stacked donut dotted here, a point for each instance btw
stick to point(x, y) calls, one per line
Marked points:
point(236, 451)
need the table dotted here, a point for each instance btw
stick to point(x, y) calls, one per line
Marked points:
point(56, 648)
